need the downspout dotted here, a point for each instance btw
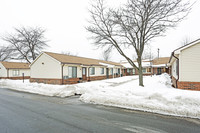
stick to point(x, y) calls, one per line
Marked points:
point(177, 70)
point(8, 73)
point(62, 73)
point(89, 73)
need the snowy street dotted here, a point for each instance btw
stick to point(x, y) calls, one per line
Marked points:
point(156, 96)
point(29, 113)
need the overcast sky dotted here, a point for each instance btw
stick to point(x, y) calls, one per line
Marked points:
point(65, 20)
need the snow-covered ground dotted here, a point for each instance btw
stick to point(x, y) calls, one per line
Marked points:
point(157, 96)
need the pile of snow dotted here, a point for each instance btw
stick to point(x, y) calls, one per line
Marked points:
point(156, 96)
point(42, 89)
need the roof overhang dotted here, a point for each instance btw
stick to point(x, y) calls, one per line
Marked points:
point(107, 65)
point(178, 51)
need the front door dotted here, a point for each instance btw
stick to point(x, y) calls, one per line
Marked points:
point(107, 73)
point(159, 71)
point(84, 72)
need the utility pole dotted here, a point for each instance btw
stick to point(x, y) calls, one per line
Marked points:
point(158, 52)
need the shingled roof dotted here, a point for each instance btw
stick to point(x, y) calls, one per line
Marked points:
point(68, 59)
point(15, 65)
point(161, 60)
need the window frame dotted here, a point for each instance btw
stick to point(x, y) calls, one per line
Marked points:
point(72, 69)
point(16, 72)
point(92, 70)
point(143, 70)
point(111, 71)
point(102, 70)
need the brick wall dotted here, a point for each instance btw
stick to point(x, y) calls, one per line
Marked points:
point(173, 82)
point(189, 85)
point(96, 78)
point(186, 85)
point(15, 78)
point(71, 81)
point(46, 81)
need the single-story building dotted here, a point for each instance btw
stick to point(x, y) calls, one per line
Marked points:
point(159, 65)
point(129, 70)
point(185, 66)
point(54, 68)
point(14, 70)
point(150, 67)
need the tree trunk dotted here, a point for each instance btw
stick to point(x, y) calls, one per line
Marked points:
point(140, 76)
point(139, 60)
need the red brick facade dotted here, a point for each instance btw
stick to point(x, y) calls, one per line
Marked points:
point(92, 78)
point(15, 78)
point(173, 82)
point(70, 80)
point(189, 85)
point(186, 85)
point(47, 81)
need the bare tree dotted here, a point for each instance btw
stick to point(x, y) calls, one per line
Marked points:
point(5, 53)
point(106, 55)
point(27, 43)
point(186, 40)
point(134, 24)
point(69, 53)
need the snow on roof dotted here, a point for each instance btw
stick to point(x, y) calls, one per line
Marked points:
point(108, 65)
point(144, 64)
point(158, 62)
point(160, 65)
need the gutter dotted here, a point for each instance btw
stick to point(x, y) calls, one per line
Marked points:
point(62, 73)
point(88, 73)
point(177, 70)
point(8, 73)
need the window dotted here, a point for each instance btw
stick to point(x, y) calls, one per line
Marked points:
point(129, 71)
point(102, 70)
point(72, 72)
point(92, 71)
point(84, 71)
point(133, 71)
point(144, 70)
point(177, 65)
point(118, 70)
point(15, 72)
point(111, 71)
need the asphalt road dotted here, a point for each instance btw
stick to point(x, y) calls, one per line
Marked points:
point(29, 113)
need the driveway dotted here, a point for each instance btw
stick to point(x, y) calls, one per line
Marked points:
point(29, 113)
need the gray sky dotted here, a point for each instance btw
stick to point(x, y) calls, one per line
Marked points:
point(64, 22)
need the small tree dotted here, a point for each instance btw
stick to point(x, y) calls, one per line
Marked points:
point(5, 53)
point(27, 43)
point(185, 41)
point(134, 24)
point(106, 55)
point(69, 53)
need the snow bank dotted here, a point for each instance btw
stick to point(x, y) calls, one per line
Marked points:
point(156, 96)
point(42, 89)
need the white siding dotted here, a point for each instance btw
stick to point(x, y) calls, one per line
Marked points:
point(173, 70)
point(25, 71)
point(190, 64)
point(98, 71)
point(3, 71)
point(46, 67)
point(79, 70)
